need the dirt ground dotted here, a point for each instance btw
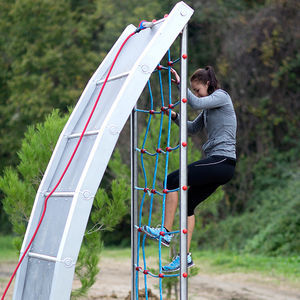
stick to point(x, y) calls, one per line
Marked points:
point(114, 282)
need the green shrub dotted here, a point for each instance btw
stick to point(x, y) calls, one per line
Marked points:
point(19, 186)
point(270, 224)
point(280, 234)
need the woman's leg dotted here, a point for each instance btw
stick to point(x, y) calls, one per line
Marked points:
point(191, 226)
point(171, 206)
point(170, 209)
point(204, 176)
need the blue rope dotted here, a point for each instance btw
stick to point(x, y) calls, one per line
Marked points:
point(145, 178)
point(154, 154)
point(152, 191)
point(166, 171)
point(166, 68)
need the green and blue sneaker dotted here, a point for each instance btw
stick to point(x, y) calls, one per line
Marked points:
point(156, 233)
point(174, 265)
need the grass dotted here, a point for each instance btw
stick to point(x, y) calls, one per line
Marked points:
point(225, 262)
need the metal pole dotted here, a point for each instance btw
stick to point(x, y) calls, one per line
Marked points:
point(183, 169)
point(134, 204)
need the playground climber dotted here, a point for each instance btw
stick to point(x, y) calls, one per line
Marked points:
point(217, 168)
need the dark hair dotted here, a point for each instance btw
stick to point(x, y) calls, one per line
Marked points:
point(205, 75)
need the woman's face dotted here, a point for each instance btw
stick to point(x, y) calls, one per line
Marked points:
point(199, 88)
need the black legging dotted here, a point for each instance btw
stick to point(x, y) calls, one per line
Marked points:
point(204, 177)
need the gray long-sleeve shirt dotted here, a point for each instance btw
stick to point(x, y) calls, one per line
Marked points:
point(218, 118)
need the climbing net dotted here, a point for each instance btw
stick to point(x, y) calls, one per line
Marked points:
point(160, 154)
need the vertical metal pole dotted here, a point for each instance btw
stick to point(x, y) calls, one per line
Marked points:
point(183, 169)
point(134, 204)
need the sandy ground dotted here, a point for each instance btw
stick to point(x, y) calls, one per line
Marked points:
point(114, 282)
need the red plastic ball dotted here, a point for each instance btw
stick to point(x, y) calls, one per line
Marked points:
point(165, 191)
point(184, 100)
point(184, 144)
point(158, 150)
point(184, 231)
point(162, 233)
point(185, 275)
point(184, 56)
point(169, 149)
point(184, 187)
point(161, 275)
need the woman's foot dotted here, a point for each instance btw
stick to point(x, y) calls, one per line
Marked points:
point(156, 233)
point(174, 265)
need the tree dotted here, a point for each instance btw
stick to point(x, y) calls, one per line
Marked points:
point(45, 66)
point(48, 51)
point(19, 186)
point(258, 64)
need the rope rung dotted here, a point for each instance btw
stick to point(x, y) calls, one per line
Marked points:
point(159, 275)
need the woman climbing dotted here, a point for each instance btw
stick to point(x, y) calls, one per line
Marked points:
point(206, 175)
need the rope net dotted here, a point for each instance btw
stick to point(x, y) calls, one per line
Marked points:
point(150, 185)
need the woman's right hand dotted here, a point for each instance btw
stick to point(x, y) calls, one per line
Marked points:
point(177, 77)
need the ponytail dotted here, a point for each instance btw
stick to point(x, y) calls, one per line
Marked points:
point(206, 75)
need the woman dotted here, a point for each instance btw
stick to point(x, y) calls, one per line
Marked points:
point(206, 175)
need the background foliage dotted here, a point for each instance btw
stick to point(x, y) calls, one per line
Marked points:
point(49, 50)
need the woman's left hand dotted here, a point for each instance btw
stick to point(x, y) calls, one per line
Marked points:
point(177, 77)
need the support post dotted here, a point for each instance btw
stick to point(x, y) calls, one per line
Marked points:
point(134, 205)
point(183, 169)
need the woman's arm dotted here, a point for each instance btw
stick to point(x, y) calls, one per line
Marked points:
point(193, 126)
point(216, 99)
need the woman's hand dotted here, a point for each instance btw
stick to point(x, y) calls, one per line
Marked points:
point(177, 77)
point(173, 114)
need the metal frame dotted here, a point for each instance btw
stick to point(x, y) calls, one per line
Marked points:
point(183, 169)
point(47, 273)
point(134, 203)
point(183, 182)
point(40, 272)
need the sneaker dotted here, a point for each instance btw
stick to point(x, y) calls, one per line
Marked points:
point(154, 233)
point(174, 265)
